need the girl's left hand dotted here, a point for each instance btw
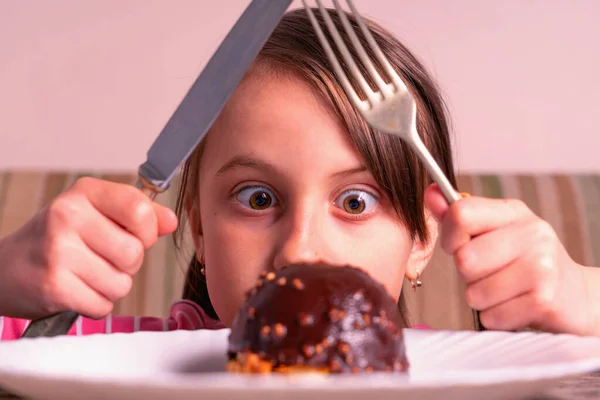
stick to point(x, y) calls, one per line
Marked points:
point(518, 274)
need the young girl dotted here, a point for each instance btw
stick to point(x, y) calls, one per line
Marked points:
point(291, 173)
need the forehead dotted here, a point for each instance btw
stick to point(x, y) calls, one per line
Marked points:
point(279, 118)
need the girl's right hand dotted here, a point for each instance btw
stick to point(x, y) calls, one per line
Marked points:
point(81, 251)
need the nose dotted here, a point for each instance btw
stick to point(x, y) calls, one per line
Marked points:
point(300, 238)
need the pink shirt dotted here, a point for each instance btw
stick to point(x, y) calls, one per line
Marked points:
point(184, 315)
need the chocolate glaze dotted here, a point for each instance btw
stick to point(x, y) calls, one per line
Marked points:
point(321, 315)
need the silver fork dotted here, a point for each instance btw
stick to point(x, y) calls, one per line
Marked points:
point(392, 108)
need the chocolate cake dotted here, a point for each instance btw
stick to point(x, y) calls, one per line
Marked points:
point(317, 318)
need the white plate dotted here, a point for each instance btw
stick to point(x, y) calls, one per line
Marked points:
point(190, 365)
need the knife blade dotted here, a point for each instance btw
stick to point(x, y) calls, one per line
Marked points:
point(193, 118)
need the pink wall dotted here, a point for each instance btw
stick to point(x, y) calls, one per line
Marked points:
point(97, 80)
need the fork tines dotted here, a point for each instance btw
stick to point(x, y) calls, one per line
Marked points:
point(383, 87)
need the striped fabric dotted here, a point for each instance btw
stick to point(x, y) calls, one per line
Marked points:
point(570, 203)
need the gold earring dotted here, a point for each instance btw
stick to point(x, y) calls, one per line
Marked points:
point(202, 269)
point(415, 283)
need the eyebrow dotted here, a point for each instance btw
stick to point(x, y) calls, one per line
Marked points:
point(245, 161)
point(349, 172)
point(249, 162)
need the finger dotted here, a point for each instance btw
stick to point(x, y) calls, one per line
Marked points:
point(516, 313)
point(492, 251)
point(509, 282)
point(125, 205)
point(480, 214)
point(167, 220)
point(435, 202)
point(98, 274)
point(109, 241)
point(451, 236)
point(105, 280)
point(79, 297)
point(474, 216)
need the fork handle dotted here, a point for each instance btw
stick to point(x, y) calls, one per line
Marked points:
point(435, 171)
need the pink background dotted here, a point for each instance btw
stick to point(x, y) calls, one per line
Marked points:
point(89, 84)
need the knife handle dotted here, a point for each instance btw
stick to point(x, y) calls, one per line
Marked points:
point(60, 323)
point(53, 325)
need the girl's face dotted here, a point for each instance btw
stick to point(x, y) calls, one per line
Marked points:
point(281, 183)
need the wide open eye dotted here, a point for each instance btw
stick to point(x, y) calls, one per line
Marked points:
point(356, 201)
point(256, 197)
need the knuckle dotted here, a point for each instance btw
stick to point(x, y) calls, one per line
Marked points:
point(65, 211)
point(459, 213)
point(123, 287)
point(142, 211)
point(543, 232)
point(84, 184)
point(465, 261)
point(50, 286)
point(542, 300)
point(132, 254)
point(517, 204)
point(544, 271)
point(546, 265)
point(52, 292)
point(55, 251)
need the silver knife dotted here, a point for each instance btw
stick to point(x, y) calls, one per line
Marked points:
point(193, 118)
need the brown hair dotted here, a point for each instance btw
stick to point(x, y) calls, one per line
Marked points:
point(294, 48)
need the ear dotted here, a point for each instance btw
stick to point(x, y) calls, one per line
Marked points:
point(193, 213)
point(421, 252)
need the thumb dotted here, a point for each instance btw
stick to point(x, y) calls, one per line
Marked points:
point(167, 220)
